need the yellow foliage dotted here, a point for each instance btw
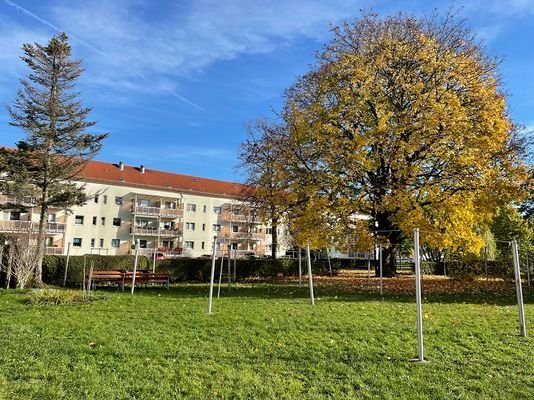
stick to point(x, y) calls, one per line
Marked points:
point(401, 120)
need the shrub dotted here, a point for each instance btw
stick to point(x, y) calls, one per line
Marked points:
point(183, 269)
point(470, 267)
point(43, 297)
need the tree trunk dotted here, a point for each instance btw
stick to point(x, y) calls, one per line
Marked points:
point(388, 233)
point(274, 233)
point(389, 266)
point(43, 215)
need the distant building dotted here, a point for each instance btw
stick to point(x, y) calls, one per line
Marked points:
point(172, 215)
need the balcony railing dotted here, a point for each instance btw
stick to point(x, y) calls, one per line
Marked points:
point(155, 232)
point(158, 211)
point(25, 201)
point(30, 226)
point(228, 216)
point(237, 253)
point(99, 250)
point(224, 233)
point(53, 250)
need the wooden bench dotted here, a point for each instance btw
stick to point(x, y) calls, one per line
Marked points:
point(123, 278)
point(142, 277)
point(113, 277)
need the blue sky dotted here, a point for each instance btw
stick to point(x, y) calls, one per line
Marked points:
point(175, 82)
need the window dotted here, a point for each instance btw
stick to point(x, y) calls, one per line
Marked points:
point(103, 221)
point(101, 243)
point(115, 242)
point(118, 201)
point(205, 208)
point(14, 216)
point(217, 210)
point(170, 205)
point(203, 227)
point(191, 207)
point(94, 220)
point(78, 220)
point(190, 226)
point(76, 242)
point(92, 242)
point(51, 217)
point(143, 203)
point(216, 228)
point(202, 245)
point(142, 244)
point(116, 222)
point(235, 228)
point(96, 199)
point(105, 199)
point(189, 244)
point(168, 244)
point(269, 231)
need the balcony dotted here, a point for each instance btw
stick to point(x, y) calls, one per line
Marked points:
point(53, 250)
point(231, 217)
point(158, 211)
point(30, 226)
point(152, 231)
point(26, 201)
point(241, 235)
point(237, 253)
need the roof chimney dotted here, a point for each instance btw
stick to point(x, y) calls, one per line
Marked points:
point(121, 165)
point(142, 168)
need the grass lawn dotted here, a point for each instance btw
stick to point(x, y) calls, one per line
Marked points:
point(264, 341)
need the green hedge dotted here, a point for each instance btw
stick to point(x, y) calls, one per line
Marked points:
point(469, 268)
point(183, 269)
point(54, 266)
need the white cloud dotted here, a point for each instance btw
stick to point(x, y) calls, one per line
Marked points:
point(183, 41)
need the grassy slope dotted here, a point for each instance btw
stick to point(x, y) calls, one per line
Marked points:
point(262, 342)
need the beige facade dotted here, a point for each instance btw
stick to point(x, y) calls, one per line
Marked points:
point(169, 223)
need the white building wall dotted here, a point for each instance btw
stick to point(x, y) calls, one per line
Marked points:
point(90, 228)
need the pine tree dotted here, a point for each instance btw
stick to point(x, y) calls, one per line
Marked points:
point(57, 144)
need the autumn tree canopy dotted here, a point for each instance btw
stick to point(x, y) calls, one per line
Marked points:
point(402, 119)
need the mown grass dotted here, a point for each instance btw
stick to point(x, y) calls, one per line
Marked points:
point(264, 341)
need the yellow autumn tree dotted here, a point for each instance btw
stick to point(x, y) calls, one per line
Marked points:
point(401, 119)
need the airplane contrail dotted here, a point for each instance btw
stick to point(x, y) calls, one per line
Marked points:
point(97, 50)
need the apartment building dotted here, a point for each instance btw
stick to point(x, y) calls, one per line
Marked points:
point(169, 214)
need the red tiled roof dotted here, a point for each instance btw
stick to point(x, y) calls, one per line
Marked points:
point(107, 173)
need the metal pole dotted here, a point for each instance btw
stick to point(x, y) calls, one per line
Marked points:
point(381, 270)
point(519, 291)
point(369, 268)
point(229, 267)
point(486, 267)
point(310, 277)
point(66, 264)
point(420, 354)
point(300, 267)
point(212, 276)
point(83, 277)
point(135, 265)
point(328, 258)
point(528, 270)
point(445, 262)
point(235, 265)
point(220, 272)
point(154, 258)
